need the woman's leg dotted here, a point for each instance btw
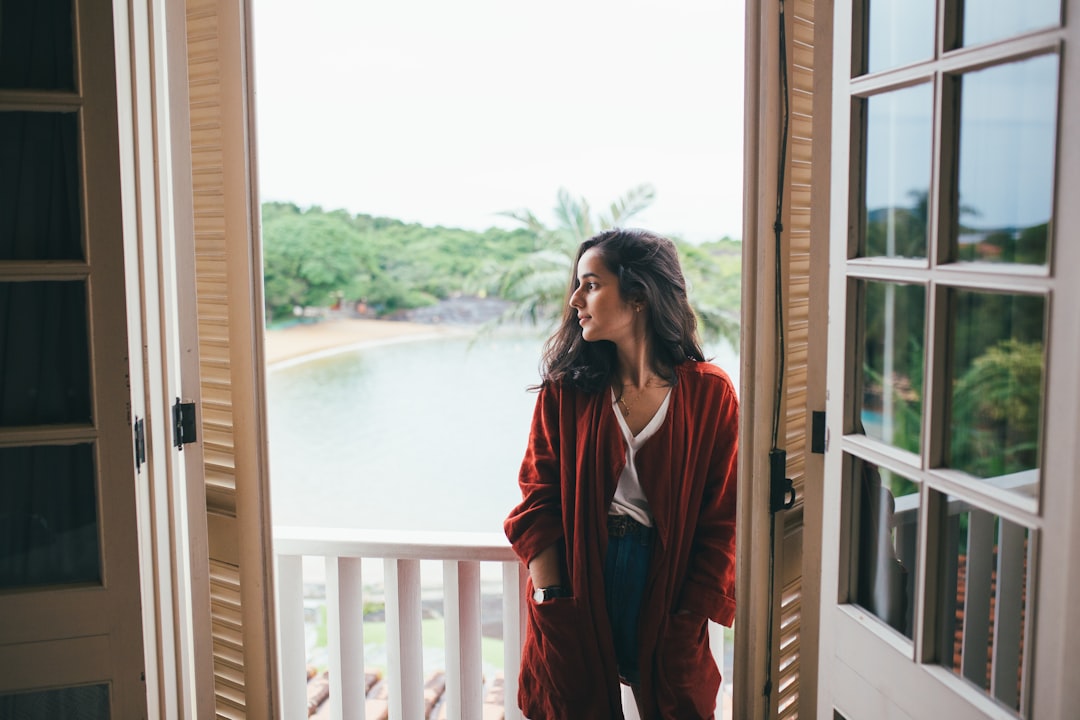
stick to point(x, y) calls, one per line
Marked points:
point(625, 572)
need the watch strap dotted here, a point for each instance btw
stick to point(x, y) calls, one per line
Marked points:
point(550, 593)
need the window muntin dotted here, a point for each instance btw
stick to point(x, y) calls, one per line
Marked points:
point(1007, 139)
point(891, 330)
point(987, 20)
point(983, 601)
point(897, 172)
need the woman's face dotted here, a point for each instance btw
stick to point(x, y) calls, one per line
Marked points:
point(602, 313)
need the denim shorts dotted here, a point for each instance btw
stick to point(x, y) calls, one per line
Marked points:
point(625, 572)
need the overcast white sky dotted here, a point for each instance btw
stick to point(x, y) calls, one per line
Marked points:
point(446, 112)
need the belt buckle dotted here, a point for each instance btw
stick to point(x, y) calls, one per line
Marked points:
point(619, 525)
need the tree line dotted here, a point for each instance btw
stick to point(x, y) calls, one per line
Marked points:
point(314, 258)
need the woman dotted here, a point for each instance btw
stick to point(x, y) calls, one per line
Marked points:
point(627, 518)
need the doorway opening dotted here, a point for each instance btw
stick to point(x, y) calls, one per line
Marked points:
point(427, 171)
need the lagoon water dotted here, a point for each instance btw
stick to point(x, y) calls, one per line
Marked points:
point(420, 435)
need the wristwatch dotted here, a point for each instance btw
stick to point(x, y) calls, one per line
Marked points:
point(550, 592)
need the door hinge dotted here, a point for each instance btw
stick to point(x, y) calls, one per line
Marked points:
point(818, 442)
point(781, 489)
point(183, 414)
point(140, 444)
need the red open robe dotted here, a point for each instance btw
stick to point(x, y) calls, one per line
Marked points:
point(575, 455)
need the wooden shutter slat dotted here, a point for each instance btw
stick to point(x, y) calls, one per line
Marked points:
point(229, 333)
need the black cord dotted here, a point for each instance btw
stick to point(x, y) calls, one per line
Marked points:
point(766, 690)
point(778, 228)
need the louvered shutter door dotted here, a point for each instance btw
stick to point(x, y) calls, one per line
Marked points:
point(798, 394)
point(229, 315)
point(792, 606)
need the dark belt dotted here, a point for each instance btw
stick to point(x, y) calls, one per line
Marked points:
point(622, 525)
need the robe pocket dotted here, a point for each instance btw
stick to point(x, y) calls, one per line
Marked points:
point(554, 652)
point(687, 677)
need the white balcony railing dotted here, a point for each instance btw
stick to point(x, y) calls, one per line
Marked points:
point(983, 597)
point(343, 551)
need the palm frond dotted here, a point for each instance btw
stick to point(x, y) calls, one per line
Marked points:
point(536, 284)
point(543, 272)
point(573, 214)
point(631, 203)
point(526, 218)
point(716, 324)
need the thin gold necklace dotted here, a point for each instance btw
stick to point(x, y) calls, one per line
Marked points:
point(625, 405)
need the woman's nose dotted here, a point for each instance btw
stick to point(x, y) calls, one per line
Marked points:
point(575, 298)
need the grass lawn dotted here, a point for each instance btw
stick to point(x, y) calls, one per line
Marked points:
point(432, 633)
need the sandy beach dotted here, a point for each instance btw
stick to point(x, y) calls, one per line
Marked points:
point(338, 335)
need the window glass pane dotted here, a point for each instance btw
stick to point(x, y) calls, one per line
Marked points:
point(884, 543)
point(997, 373)
point(986, 20)
point(984, 599)
point(900, 32)
point(75, 703)
point(36, 45)
point(897, 173)
point(1008, 126)
point(44, 353)
point(48, 516)
point(891, 333)
point(39, 187)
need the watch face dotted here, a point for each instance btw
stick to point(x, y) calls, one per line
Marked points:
point(541, 595)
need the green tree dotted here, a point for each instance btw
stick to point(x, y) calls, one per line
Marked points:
point(713, 273)
point(997, 404)
point(536, 283)
point(312, 259)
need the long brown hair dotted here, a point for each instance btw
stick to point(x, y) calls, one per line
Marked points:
point(647, 266)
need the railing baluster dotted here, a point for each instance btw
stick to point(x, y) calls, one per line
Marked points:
point(947, 595)
point(1009, 613)
point(343, 549)
point(980, 568)
point(464, 677)
point(716, 646)
point(513, 633)
point(292, 659)
point(345, 637)
point(405, 648)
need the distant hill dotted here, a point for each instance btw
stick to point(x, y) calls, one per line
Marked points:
point(384, 267)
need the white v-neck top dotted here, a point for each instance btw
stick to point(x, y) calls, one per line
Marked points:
point(629, 497)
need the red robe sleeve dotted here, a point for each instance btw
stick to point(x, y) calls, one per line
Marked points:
point(536, 523)
point(709, 588)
